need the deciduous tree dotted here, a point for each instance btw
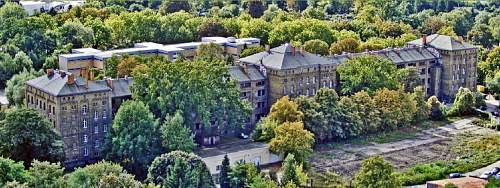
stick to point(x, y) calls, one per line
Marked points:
point(435, 109)
point(176, 135)
point(16, 86)
point(26, 135)
point(316, 47)
point(375, 172)
point(292, 138)
point(11, 171)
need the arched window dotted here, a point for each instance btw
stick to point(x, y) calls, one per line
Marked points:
point(84, 109)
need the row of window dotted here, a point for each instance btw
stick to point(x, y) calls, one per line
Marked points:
point(96, 127)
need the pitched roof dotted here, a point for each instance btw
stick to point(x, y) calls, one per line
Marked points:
point(238, 73)
point(120, 86)
point(396, 55)
point(57, 85)
point(282, 58)
point(443, 42)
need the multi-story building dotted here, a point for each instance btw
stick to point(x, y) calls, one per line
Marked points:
point(254, 88)
point(459, 63)
point(85, 58)
point(80, 110)
point(293, 72)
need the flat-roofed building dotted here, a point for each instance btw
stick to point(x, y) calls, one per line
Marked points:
point(85, 58)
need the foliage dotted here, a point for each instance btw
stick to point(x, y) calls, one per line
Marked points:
point(450, 185)
point(376, 172)
point(292, 138)
point(397, 108)
point(167, 87)
point(492, 63)
point(264, 130)
point(91, 175)
point(285, 110)
point(348, 45)
point(209, 52)
point(176, 136)
point(292, 171)
point(225, 170)
point(10, 66)
point(435, 110)
point(364, 106)
point(316, 47)
point(16, 86)
point(171, 6)
point(494, 84)
point(243, 174)
point(251, 51)
point(492, 183)
point(212, 28)
point(26, 135)
point(11, 171)
point(126, 66)
point(45, 174)
point(179, 169)
point(256, 8)
point(134, 139)
point(463, 104)
point(423, 109)
point(367, 73)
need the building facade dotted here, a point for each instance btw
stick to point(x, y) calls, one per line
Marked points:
point(80, 110)
point(458, 63)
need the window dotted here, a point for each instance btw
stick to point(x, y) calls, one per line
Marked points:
point(331, 83)
point(84, 123)
point(324, 83)
point(422, 71)
point(104, 115)
point(96, 144)
point(85, 138)
point(314, 80)
point(104, 102)
point(291, 89)
point(84, 109)
point(96, 115)
point(218, 167)
point(85, 152)
point(96, 129)
point(261, 92)
point(243, 94)
point(105, 128)
point(245, 85)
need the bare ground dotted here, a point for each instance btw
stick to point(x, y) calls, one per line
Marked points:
point(428, 146)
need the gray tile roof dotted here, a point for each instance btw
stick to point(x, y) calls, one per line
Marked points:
point(237, 73)
point(443, 42)
point(56, 85)
point(396, 55)
point(282, 58)
point(120, 87)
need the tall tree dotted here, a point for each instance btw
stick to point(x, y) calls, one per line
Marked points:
point(171, 6)
point(225, 169)
point(256, 8)
point(45, 174)
point(316, 47)
point(397, 108)
point(463, 104)
point(422, 112)
point(26, 135)
point(134, 139)
point(289, 171)
point(243, 174)
point(16, 86)
point(176, 135)
point(285, 110)
point(367, 73)
point(376, 172)
point(91, 175)
point(11, 171)
point(435, 109)
point(292, 138)
point(179, 169)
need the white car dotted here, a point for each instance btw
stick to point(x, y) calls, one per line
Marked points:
point(490, 173)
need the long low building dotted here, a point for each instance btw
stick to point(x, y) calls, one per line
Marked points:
point(85, 58)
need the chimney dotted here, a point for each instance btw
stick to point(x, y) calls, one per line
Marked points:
point(62, 73)
point(71, 79)
point(424, 40)
point(245, 68)
point(268, 48)
point(109, 82)
point(50, 72)
point(302, 50)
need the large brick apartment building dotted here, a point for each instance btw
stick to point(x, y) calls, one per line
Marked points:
point(82, 110)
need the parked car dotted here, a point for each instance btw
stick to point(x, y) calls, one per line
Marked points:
point(495, 113)
point(455, 175)
point(490, 173)
point(243, 136)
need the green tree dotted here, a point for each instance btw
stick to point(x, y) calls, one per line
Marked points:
point(367, 73)
point(261, 182)
point(435, 109)
point(494, 84)
point(285, 110)
point(11, 171)
point(376, 172)
point(364, 105)
point(481, 35)
point(264, 130)
point(492, 183)
point(256, 8)
point(179, 169)
point(347, 45)
point(90, 175)
point(289, 171)
point(10, 66)
point(463, 104)
point(209, 52)
point(316, 47)
point(16, 86)
point(422, 112)
point(396, 107)
point(251, 51)
point(26, 135)
point(492, 63)
point(257, 28)
point(225, 169)
point(212, 28)
point(292, 138)
point(176, 136)
point(171, 6)
point(243, 174)
point(134, 139)
point(45, 174)
point(77, 34)
point(122, 180)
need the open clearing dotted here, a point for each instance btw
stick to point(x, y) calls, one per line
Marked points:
point(424, 146)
